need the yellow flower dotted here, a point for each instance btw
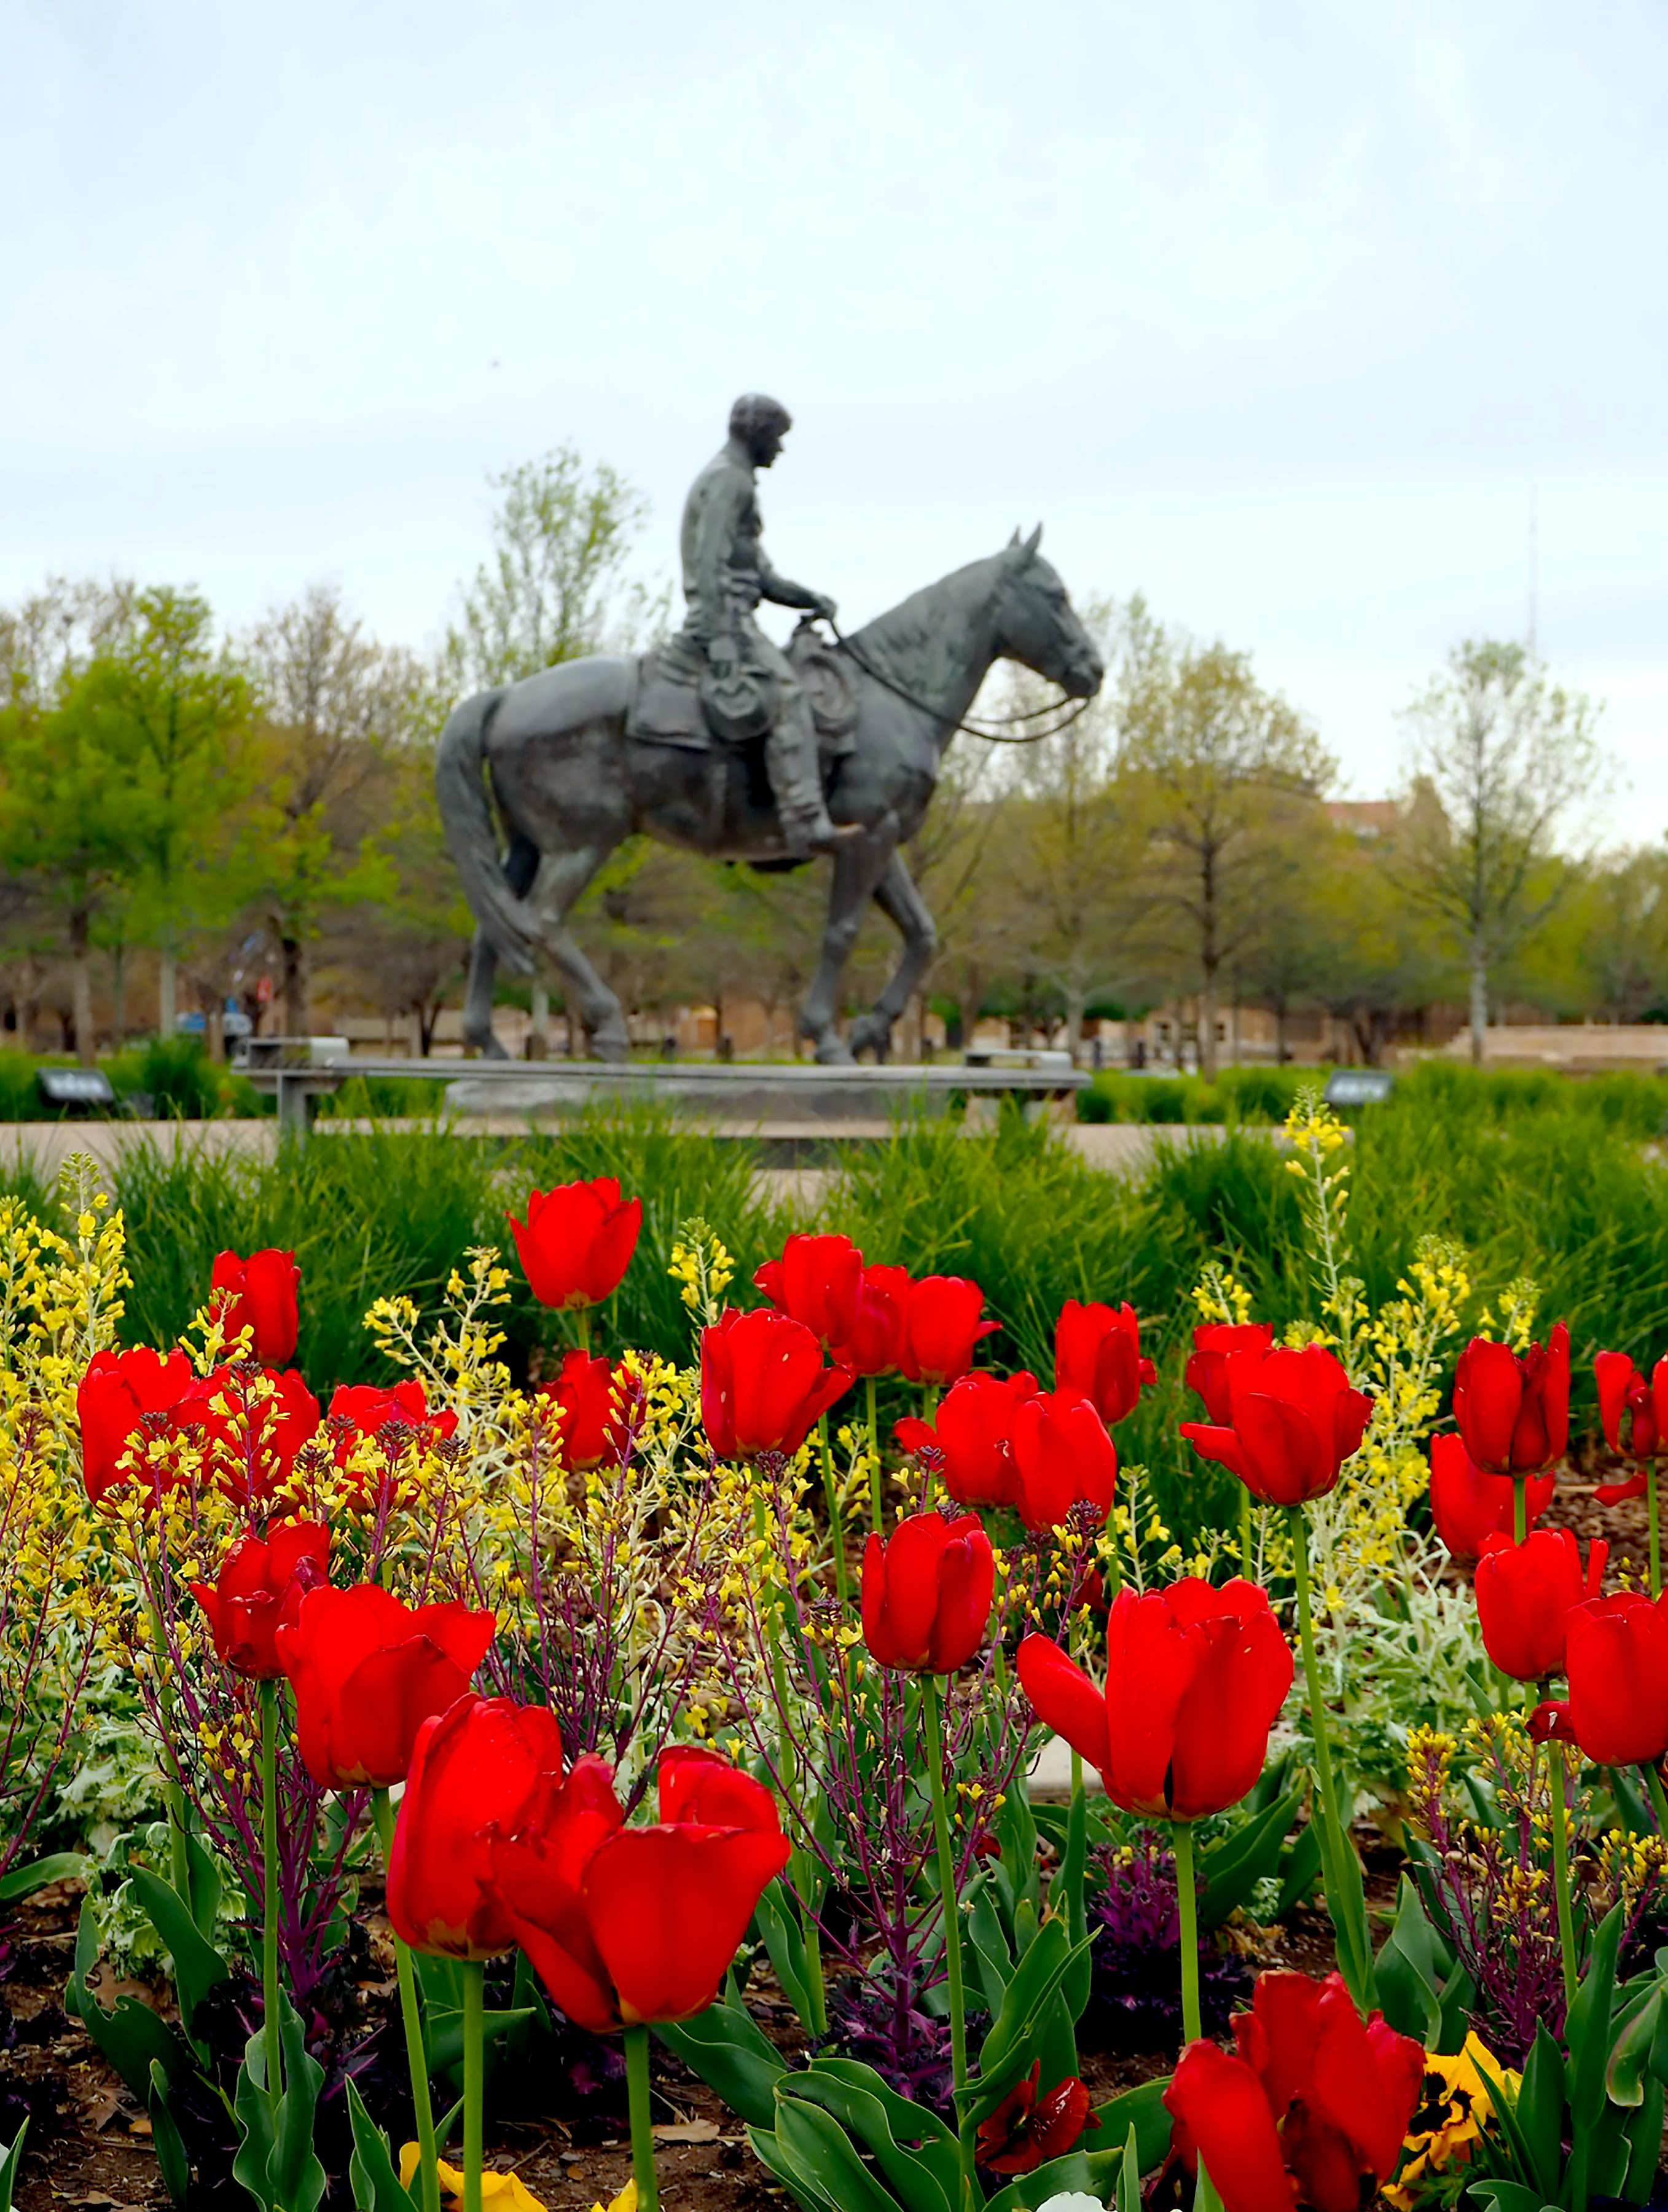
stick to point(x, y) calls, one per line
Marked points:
point(1453, 2109)
point(505, 2193)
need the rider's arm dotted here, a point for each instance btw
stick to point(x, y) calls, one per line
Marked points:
point(715, 535)
point(782, 592)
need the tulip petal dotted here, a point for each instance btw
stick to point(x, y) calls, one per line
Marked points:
point(668, 1908)
point(1222, 2117)
point(1065, 1697)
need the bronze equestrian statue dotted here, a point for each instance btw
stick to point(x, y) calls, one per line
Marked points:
point(712, 744)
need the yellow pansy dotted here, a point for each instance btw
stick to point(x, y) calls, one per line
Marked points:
point(1453, 2109)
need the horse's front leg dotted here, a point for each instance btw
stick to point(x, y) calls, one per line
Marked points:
point(859, 865)
point(897, 897)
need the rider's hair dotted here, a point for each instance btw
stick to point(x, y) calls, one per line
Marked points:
point(756, 412)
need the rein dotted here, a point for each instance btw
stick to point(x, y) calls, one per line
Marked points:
point(991, 730)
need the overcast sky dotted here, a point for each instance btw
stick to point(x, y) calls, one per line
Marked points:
point(1280, 313)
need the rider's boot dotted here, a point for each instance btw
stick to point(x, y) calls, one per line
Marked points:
point(791, 755)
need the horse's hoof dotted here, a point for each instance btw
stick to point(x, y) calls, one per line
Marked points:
point(833, 1051)
point(610, 1044)
point(871, 1036)
point(488, 1045)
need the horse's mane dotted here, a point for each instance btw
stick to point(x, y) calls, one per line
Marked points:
point(914, 644)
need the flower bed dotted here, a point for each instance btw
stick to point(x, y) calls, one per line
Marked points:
point(619, 1780)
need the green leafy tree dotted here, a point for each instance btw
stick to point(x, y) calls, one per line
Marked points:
point(1223, 776)
point(1510, 760)
point(175, 710)
point(556, 587)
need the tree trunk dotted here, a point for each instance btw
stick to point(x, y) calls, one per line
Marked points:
point(119, 994)
point(1281, 1052)
point(167, 994)
point(215, 1027)
point(80, 953)
point(297, 1018)
point(538, 1024)
point(1207, 1054)
point(1479, 1001)
point(1074, 1026)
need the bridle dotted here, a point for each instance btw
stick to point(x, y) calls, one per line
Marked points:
point(996, 729)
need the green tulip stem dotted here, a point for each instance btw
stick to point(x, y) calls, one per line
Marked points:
point(931, 1691)
point(1245, 1533)
point(642, 2133)
point(275, 2049)
point(1519, 1508)
point(415, 2058)
point(582, 1328)
point(1656, 1534)
point(836, 1526)
point(1334, 1842)
point(474, 1974)
point(1192, 2027)
point(1560, 1871)
point(877, 1494)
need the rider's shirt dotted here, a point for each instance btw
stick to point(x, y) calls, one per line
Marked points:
point(720, 542)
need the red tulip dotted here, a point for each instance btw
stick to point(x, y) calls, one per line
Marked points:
point(941, 1327)
point(1314, 2108)
point(1468, 1505)
point(1635, 1415)
point(1097, 1352)
point(577, 1241)
point(1512, 1408)
point(118, 1396)
point(592, 1395)
point(260, 1585)
point(1064, 1456)
point(970, 1444)
point(818, 1280)
point(1616, 1655)
point(876, 1343)
point(259, 1295)
point(1025, 2129)
point(625, 1924)
point(927, 1593)
point(1293, 1421)
point(249, 1439)
point(367, 1671)
point(1216, 1343)
point(763, 1386)
point(1524, 1594)
point(1195, 1678)
point(399, 1415)
point(475, 1771)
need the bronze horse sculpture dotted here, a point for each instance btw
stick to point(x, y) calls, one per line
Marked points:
point(570, 787)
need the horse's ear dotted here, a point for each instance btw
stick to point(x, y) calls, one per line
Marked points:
point(1032, 542)
point(1013, 540)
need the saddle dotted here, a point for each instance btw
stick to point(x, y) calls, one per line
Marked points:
point(673, 700)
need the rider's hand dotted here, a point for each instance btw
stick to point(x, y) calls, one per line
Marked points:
point(824, 606)
point(722, 655)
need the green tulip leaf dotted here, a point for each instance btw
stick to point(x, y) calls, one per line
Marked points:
point(1408, 1973)
point(376, 2184)
point(131, 2036)
point(926, 2180)
point(804, 2188)
point(1540, 2111)
point(1302, 1865)
point(1008, 2047)
point(1631, 2053)
point(1232, 1868)
point(166, 2139)
point(56, 1866)
point(817, 2149)
point(784, 1940)
point(1097, 2173)
point(1140, 2111)
point(992, 1960)
point(11, 2165)
point(725, 2048)
point(1588, 2034)
point(197, 1966)
point(444, 2039)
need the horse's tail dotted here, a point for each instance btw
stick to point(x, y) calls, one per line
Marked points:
point(471, 833)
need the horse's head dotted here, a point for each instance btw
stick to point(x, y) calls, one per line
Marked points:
point(1036, 624)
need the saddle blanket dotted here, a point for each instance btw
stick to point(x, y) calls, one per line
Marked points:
point(664, 704)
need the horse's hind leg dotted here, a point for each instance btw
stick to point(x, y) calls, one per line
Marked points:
point(520, 867)
point(561, 878)
point(859, 864)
